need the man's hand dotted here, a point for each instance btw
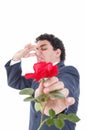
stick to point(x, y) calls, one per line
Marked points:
point(57, 104)
point(24, 53)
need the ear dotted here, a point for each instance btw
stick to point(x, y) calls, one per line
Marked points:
point(58, 52)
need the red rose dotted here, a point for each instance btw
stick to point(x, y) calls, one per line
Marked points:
point(43, 70)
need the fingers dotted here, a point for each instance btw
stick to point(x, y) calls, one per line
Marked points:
point(18, 55)
point(39, 90)
point(50, 81)
point(65, 92)
point(52, 84)
point(31, 50)
point(59, 105)
point(30, 46)
point(27, 45)
point(69, 101)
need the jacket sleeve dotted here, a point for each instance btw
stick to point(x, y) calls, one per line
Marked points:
point(14, 77)
point(70, 77)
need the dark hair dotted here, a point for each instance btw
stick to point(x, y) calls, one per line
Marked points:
point(55, 42)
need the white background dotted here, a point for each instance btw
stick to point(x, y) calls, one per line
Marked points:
point(21, 21)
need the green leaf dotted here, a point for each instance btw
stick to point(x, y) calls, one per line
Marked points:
point(51, 113)
point(56, 94)
point(73, 117)
point(29, 99)
point(62, 116)
point(49, 122)
point(42, 98)
point(26, 91)
point(38, 106)
point(59, 123)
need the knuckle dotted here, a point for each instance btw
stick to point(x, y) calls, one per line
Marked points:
point(61, 84)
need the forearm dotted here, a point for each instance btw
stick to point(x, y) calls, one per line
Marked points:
point(14, 77)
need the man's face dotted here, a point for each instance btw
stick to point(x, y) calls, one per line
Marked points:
point(45, 52)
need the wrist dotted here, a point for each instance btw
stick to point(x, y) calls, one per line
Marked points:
point(16, 58)
point(14, 62)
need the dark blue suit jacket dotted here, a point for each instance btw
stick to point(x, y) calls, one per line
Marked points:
point(70, 77)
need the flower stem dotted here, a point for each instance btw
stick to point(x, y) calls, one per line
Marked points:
point(41, 124)
point(42, 115)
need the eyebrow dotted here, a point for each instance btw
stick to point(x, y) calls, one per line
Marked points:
point(43, 45)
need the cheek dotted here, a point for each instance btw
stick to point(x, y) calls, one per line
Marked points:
point(48, 54)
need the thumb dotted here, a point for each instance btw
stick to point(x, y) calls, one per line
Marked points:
point(39, 90)
point(70, 101)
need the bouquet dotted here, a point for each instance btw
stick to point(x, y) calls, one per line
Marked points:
point(42, 72)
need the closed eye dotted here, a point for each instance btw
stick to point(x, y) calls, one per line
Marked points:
point(43, 49)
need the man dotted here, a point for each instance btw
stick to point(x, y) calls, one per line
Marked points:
point(48, 48)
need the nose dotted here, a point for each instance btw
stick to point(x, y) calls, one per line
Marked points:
point(38, 52)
